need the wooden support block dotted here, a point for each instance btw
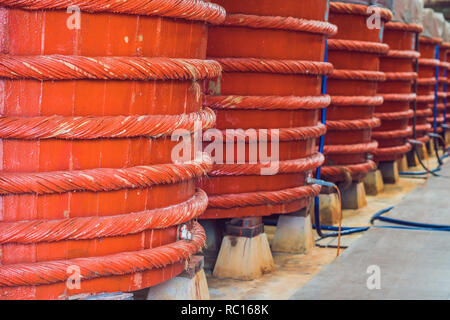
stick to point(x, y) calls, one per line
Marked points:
point(412, 159)
point(373, 183)
point(329, 209)
point(354, 196)
point(190, 285)
point(402, 164)
point(447, 137)
point(244, 258)
point(389, 171)
point(294, 233)
point(430, 148)
point(422, 150)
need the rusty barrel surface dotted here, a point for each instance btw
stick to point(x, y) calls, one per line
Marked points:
point(272, 59)
point(397, 91)
point(88, 186)
point(355, 54)
point(426, 86)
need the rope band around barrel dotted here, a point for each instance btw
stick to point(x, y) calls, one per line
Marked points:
point(287, 166)
point(280, 23)
point(281, 134)
point(399, 97)
point(358, 46)
point(429, 62)
point(359, 9)
point(101, 179)
point(93, 227)
point(400, 26)
point(400, 76)
point(61, 67)
point(390, 152)
point(349, 125)
point(385, 135)
point(395, 115)
point(339, 173)
point(198, 10)
point(351, 148)
point(361, 75)
point(40, 273)
point(431, 41)
point(275, 66)
point(266, 102)
point(403, 54)
point(356, 101)
point(251, 199)
point(90, 127)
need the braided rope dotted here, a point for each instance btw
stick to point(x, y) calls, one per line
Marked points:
point(445, 45)
point(403, 54)
point(361, 75)
point(101, 179)
point(351, 148)
point(282, 134)
point(429, 62)
point(401, 76)
point(337, 173)
point(86, 228)
point(356, 101)
point(280, 23)
point(187, 9)
point(445, 65)
point(426, 81)
point(423, 127)
point(348, 125)
point(250, 199)
point(424, 139)
point(431, 41)
point(267, 102)
point(390, 152)
point(395, 115)
point(358, 46)
point(425, 99)
point(90, 127)
point(400, 26)
point(61, 67)
point(275, 66)
point(288, 166)
point(424, 112)
point(385, 135)
point(39, 273)
point(359, 9)
point(399, 97)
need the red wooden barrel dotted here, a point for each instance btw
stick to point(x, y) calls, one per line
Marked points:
point(354, 52)
point(397, 91)
point(442, 88)
point(87, 179)
point(271, 55)
point(426, 85)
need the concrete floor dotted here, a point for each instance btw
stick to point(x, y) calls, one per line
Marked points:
point(302, 277)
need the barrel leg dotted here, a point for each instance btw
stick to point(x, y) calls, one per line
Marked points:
point(402, 164)
point(354, 196)
point(245, 252)
point(190, 285)
point(373, 183)
point(294, 233)
point(329, 207)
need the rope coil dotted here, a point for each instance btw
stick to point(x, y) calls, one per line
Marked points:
point(359, 9)
point(385, 135)
point(356, 101)
point(197, 10)
point(361, 75)
point(401, 76)
point(357, 171)
point(275, 66)
point(288, 166)
point(235, 200)
point(351, 148)
point(358, 46)
point(348, 125)
point(266, 102)
point(395, 115)
point(39, 273)
point(61, 67)
point(101, 179)
point(85, 228)
point(399, 97)
point(90, 127)
point(280, 23)
point(400, 26)
point(403, 54)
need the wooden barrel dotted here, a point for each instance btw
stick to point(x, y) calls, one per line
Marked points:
point(88, 187)
point(397, 91)
point(426, 86)
point(355, 54)
point(272, 58)
point(442, 87)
